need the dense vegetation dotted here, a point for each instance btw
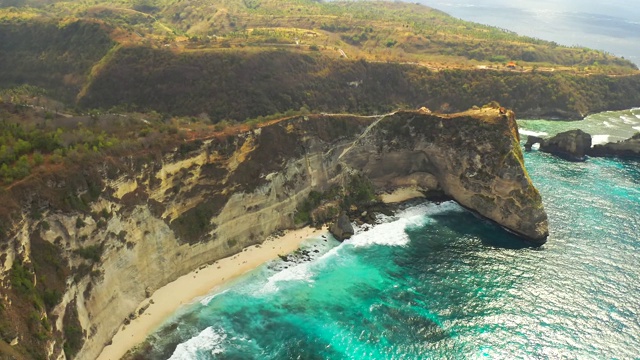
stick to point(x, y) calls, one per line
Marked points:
point(240, 84)
point(31, 138)
point(234, 60)
point(54, 56)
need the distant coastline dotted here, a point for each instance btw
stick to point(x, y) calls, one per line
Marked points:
point(568, 23)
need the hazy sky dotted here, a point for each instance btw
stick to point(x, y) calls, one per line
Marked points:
point(610, 25)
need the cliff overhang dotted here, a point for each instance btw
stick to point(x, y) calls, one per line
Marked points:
point(151, 221)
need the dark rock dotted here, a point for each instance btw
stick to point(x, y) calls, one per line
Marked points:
point(532, 140)
point(572, 145)
point(629, 148)
point(342, 228)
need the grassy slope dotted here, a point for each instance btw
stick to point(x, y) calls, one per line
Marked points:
point(383, 31)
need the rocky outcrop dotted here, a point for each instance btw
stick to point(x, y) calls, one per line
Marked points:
point(629, 148)
point(154, 218)
point(532, 140)
point(473, 157)
point(572, 145)
point(342, 229)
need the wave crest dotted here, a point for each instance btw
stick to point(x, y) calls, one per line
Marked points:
point(209, 340)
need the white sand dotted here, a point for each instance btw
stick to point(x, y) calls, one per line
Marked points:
point(401, 194)
point(200, 282)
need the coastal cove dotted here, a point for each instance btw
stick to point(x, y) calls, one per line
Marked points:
point(170, 172)
point(434, 280)
point(151, 222)
point(166, 300)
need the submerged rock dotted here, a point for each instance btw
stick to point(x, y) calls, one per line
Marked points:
point(342, 228)
point(629, 148)
point(572, 145)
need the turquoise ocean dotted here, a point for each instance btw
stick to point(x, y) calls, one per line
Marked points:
point(434, 281)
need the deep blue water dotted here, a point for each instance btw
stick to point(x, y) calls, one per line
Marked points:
point(437, 282)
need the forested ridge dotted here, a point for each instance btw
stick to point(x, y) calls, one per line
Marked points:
point(233, 60)
point(70, 69)
point(237, 85)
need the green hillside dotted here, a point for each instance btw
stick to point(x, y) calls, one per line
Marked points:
point(207, 65)
point(212, 64)
point(241, 84)
point(363, 29)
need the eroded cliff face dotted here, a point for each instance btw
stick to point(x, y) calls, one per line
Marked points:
point(154, 222)
point(474, 157)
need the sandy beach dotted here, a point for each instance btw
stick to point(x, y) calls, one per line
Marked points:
point(184, 290)
point(400, 195)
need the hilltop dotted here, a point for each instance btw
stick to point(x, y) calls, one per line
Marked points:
point(369, 30)
point(224, 59)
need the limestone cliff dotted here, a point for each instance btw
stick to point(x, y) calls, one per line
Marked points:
point(474, 157)
point(159, 218)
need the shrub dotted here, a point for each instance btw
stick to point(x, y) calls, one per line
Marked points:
point(92, 252)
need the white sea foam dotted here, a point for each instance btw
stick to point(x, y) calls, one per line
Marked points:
point(532, 133)
point(636, 128)
point(208, 299)
point(209, 340)
point(390, 232)
point(600, 139)
point(608, 124)
point(300, 272)
point(628, 120)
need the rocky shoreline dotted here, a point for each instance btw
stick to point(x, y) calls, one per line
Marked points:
point(575, 145)
point(153, 221)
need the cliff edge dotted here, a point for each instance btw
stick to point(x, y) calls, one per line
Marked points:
point(105, 237)
point(473, 157)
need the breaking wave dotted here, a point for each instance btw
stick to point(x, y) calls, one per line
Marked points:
point(208, 342)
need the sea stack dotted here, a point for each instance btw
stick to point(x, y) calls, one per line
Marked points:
point(342, 228)
point(572, 145)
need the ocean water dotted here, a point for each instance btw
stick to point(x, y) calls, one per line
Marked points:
point(609, 25)
point(436, 282)
point(609, 126)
